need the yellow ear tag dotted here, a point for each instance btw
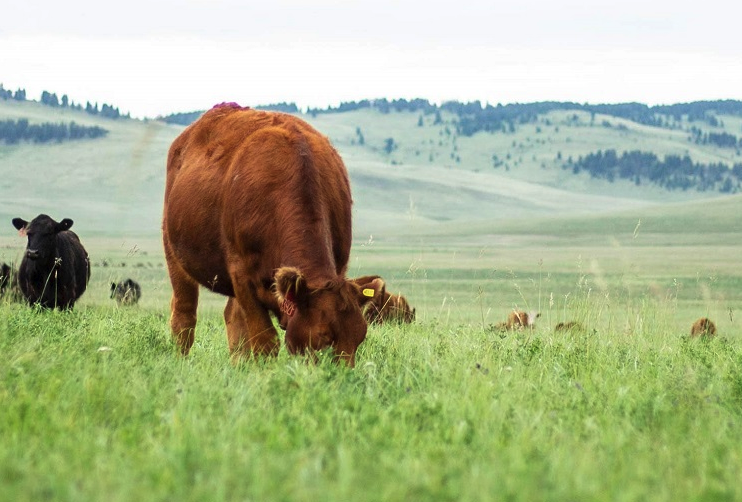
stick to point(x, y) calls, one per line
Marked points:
point(368, 292)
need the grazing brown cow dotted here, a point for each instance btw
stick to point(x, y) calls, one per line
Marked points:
point(703, 327)
point(258, 208)
point(384, 306)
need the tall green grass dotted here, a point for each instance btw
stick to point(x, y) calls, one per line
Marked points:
point(96, 405)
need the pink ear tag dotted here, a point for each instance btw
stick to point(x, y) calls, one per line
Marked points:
point(288, 307)
point(23, 232)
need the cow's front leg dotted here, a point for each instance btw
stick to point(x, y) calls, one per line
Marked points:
point(249, 325)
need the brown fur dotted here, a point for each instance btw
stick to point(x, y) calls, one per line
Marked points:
point(384, 306)
point(703, 327)
point(517, 320)
point(258, 208)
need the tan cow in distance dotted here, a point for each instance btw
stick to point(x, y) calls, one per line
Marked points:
point(384, 306)
point(258, 208)
point(518, 320)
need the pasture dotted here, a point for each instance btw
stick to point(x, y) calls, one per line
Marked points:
point(95, 404)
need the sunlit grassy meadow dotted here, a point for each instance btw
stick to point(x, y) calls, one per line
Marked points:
point(96, 405)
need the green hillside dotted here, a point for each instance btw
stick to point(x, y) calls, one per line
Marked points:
point(412, 172)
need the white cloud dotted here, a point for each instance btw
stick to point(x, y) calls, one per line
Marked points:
point(154, 58)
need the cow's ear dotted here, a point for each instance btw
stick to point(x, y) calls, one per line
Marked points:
point(373, 290)
point(20, 225)
point(364, 280)
point(291, 289)
point(63, 225)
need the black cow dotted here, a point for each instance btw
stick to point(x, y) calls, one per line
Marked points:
point(5, 273)
point(9, 283)
point(55, 269)
point(126, 292)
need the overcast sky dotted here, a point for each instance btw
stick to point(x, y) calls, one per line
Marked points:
point(156, 57)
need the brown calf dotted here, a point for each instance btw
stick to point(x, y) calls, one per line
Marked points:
point(258, 208)
point(384, 306)
point(518, 320)
point(703, 327)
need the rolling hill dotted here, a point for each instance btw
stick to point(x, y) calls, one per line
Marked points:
point(412, 172)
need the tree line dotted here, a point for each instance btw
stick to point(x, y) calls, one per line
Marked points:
point(672, 173)
point(51, 99)
point(722, 139)
point(473, 117)
point(187, 118)
point(13, 132)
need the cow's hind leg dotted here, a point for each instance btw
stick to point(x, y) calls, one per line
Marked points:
point(183, 305)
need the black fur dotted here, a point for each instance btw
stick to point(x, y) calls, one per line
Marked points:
point(55, 269)
point(127, 292)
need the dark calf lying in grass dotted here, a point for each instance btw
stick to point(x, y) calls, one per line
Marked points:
point(55, 268)
point(703, 327)
point(126, 292)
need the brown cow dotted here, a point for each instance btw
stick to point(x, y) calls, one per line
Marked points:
point(258, 208)
point(384, 306)
point(704, 327)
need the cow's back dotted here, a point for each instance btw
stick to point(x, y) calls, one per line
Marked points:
point(259, 185)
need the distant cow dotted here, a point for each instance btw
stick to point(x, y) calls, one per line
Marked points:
point(6, 276)
point(384, 306)
point(55, 268)
point(126, 292)
point(9, 288)
point(518, 320)
point(258, 208)
point(703, 327)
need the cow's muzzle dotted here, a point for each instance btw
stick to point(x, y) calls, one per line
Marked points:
point(32, 254)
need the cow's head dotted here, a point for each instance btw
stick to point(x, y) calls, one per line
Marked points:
point(321, 317)
point(41, 232)
point(376, 285)
point(384, 305)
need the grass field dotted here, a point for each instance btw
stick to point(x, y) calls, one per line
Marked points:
point(96, 405)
